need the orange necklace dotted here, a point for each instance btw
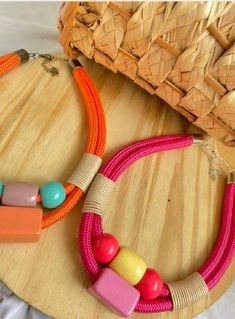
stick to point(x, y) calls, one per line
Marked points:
point(20, 198)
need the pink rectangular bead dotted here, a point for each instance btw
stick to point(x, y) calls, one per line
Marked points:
point(116, 293)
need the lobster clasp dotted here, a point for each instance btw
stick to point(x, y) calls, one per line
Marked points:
point(36, 55)
point(46, 56)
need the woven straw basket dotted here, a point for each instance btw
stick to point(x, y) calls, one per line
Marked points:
point(184, 52)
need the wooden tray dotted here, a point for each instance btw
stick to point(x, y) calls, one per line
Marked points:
point(170, 210)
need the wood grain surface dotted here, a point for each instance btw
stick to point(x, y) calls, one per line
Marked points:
point(165, 206)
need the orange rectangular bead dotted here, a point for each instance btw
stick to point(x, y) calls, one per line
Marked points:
point(20, 224)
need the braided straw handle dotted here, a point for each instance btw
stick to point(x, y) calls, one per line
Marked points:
point(184, 52)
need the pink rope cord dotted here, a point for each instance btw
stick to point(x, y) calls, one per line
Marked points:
point(224, 248)
point(124, 158)
point(227, 256)
point(223, 236)
point(90, 227)
point(121, 155)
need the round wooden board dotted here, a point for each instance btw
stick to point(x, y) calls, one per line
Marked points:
point(169, 212)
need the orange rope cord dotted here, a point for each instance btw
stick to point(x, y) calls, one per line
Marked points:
point(95, 143)
point(91, 110)
point(8, 62)
point(96, 135)
point(101, 123)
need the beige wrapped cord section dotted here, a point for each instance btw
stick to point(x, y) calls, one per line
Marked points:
point(188, 291)
point(85, 172)
point(98, 194)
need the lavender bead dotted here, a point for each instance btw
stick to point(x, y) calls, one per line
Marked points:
point(20, 194)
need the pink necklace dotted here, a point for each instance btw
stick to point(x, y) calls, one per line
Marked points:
point(120, 278)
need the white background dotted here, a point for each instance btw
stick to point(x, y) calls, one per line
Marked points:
point(32, 26)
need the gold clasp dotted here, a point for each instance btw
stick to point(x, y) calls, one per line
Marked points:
point(218, 166)
point(54, 71)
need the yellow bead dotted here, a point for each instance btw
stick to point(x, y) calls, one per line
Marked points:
point(128, 265)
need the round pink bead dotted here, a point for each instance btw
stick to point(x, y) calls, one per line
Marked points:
point(20, 194)
point(151, 284)
point(105, 248)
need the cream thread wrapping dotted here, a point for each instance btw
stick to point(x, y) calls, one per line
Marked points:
point(86, 170)
point(98, 195)
point(188, 291)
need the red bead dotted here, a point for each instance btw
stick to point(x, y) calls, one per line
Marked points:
point(151, 284)
point(105, 248)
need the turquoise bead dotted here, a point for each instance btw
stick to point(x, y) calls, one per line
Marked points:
point(52, 194)
point(1, 188)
